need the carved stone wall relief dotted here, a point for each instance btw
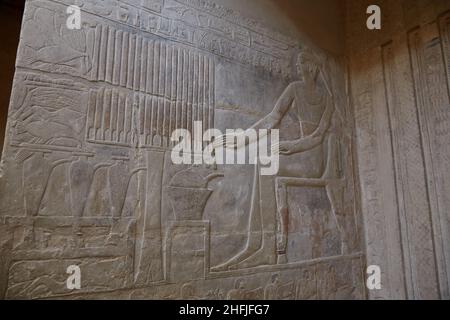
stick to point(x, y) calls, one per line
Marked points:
point(89, 178)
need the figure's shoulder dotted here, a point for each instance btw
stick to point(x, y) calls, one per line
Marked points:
point(295, 86)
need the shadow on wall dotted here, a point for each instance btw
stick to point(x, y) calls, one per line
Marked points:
point(320, 20)
point(10, 22)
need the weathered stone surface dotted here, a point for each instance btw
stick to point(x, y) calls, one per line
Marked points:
point(87, 179)
point(400, 92)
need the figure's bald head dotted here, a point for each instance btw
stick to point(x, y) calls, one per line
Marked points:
point(307, 63)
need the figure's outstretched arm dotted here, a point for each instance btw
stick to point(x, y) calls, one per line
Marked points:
point(281, 107)
point(268, 122)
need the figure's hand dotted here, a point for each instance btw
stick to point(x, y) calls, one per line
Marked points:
point(287, 147)
point(301, 145)
point(221, 142)
point(238, 141)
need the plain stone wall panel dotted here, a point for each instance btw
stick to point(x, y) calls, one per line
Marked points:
point(400, 93)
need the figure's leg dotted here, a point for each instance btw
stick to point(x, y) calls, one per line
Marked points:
point(335, 191)
point(336, 186)
point(282, 221)
point(255, 230)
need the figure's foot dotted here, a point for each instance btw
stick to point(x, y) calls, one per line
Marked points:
point(220, 268)
point(233, 264)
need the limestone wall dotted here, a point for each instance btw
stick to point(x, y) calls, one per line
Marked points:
point(87, 178)
point(400, 95)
